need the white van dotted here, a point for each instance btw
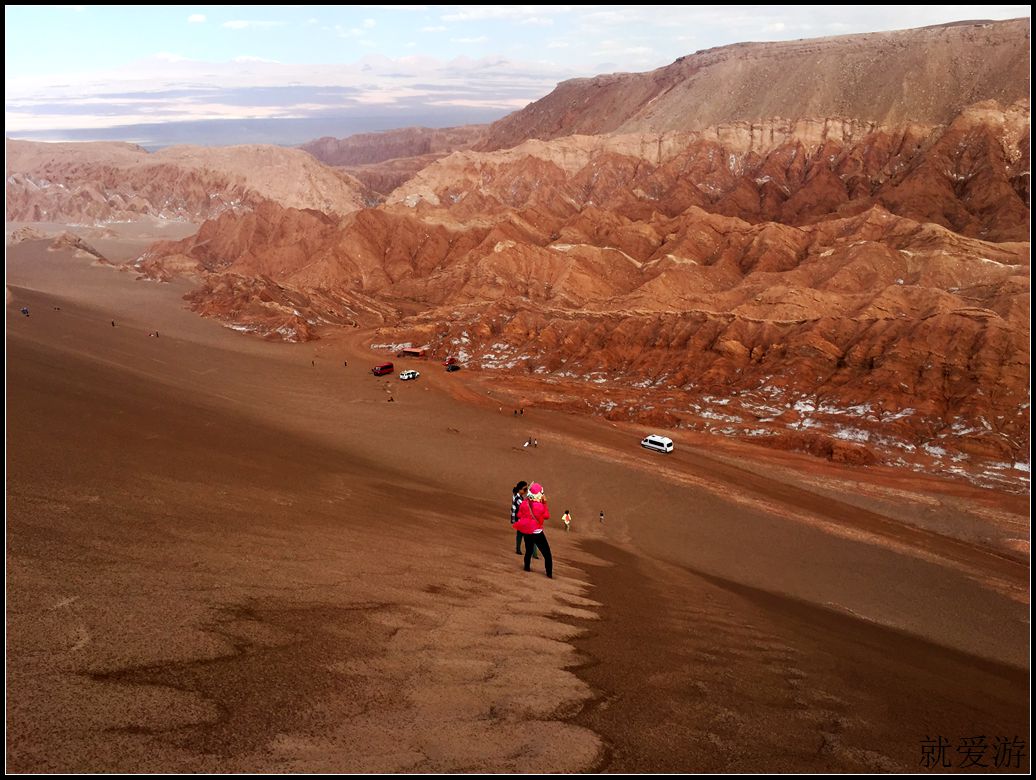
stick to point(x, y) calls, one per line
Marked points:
point(657, 443)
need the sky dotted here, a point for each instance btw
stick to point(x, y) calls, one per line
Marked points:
point(156, 75)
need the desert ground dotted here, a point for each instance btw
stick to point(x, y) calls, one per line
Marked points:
point(229, 555)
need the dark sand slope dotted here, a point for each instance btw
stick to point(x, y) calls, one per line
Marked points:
point(192, 591)
point(223, 558)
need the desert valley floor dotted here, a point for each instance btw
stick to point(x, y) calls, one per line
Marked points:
point(231, 555)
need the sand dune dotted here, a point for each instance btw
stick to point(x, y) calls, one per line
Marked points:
point(230, 555)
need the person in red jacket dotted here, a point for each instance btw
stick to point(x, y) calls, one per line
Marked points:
point(532, 512)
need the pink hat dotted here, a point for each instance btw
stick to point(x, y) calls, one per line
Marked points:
point(535, 488)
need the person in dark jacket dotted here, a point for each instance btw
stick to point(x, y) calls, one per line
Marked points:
point(518, 494)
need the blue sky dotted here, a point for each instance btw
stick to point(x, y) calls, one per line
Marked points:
point(98, 71)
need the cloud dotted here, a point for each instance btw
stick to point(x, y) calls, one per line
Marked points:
point(505, 103)
point(167, 111)
point(349, 32)
point(481, 12)
point(244, 24)
point(479, 39)
point(369, 23)
point(437, 28)
point(181, 90)
point(196, 18)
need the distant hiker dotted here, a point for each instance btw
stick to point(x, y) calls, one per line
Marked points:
point(567, 518)
point(532, 513)
point(535, 442)
point(345, 363)
point(113, 323)
point(515, 412)
point(25, 311)
point(522, 412)
point(602, 515)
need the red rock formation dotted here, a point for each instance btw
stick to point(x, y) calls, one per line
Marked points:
point(859, 333)
point(967, 176)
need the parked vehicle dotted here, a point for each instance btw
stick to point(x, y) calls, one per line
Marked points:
point(657, 443)
point(384, 368)
point(453, 367)
point(409, 374)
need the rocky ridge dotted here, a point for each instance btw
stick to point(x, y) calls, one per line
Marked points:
point(926, 75)
point(113, 182)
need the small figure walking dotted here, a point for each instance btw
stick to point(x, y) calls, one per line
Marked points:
point(568, 520)
point(602, 515)
point(25, 311)
point(535, 442)
point(345, 363)
point(312, 362)
point(113, 323)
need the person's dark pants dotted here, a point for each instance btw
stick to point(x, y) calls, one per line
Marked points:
point(518, 545)
point(538, 540)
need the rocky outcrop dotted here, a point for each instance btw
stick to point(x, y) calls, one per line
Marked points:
point(107, 182)
point(261, 306)
point(70, 241)
point(368, 148)
point(24, 233)
point(384, 161)
point(969, 176)
point(926, 75)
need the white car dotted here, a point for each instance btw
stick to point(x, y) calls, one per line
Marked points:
point(657, 443)
point(409, 374)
